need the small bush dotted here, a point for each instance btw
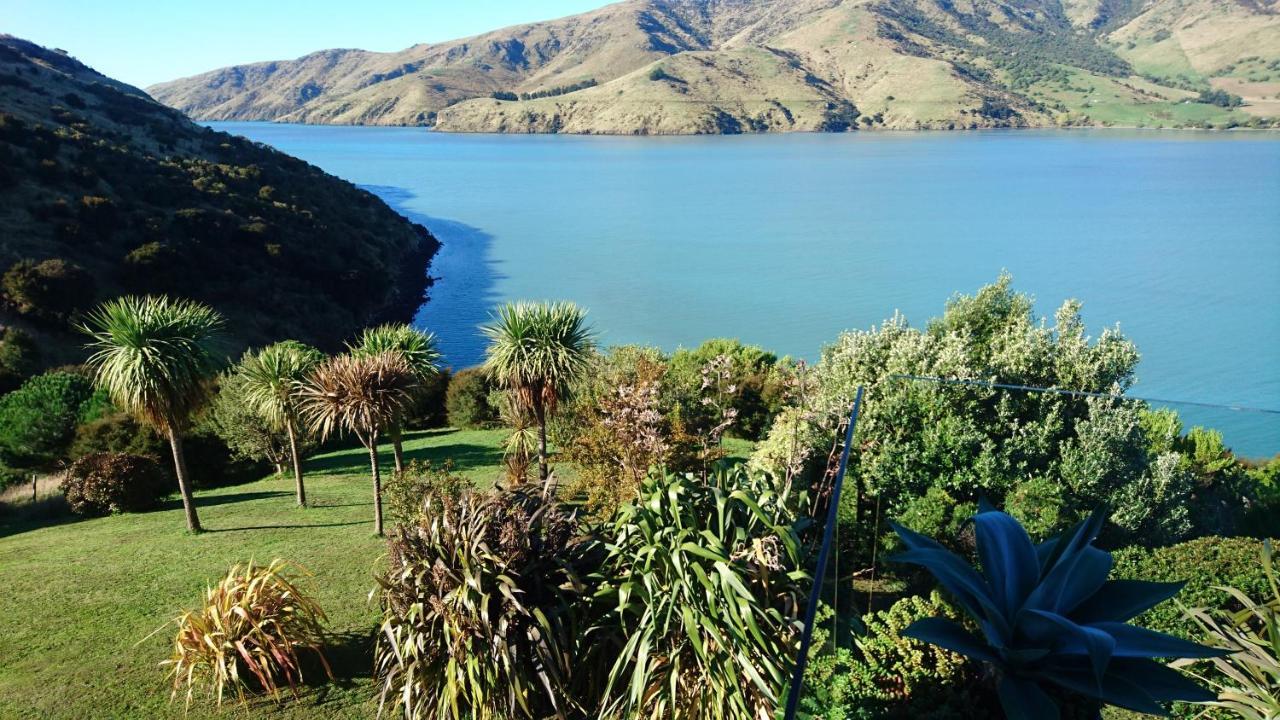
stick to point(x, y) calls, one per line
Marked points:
point(116, 433)
point(478, 605)
point(888, 675)
point(50, 289)
point(405, 493)
point(247, 635)
point(19, 357)
point(1206, 564)
point(106, 483)
point(467, 400)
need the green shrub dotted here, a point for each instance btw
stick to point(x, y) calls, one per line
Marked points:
point(1038, 505)
point(467, 400)
point(106, 483)
point(939, 515)
point(405, 493)
point(50, 289)
point(19, 357)
point(1206, 564)
point(888, 675)
point(478, 609)
point(700, 592)
point(38, 420)
point(1248, 680)
point(428, 409)
point(757, 394)
point(116, 432)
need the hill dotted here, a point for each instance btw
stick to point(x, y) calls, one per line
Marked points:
point(104, 191)
point(723, 66)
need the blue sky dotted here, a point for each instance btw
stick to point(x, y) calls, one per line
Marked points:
point(146, 41)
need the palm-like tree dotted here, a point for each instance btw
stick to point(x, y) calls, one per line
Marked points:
point(535, 351)
point(271, 377)
point(362, 395)
point(418, 349)
point(155, 356)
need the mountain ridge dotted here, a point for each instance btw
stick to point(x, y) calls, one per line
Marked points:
point(691, 66)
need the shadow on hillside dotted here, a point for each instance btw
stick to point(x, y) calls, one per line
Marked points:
point(465, 275)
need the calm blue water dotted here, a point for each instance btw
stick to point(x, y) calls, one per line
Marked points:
point(786, 240)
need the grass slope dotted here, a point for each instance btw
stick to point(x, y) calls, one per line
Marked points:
point(80, 596)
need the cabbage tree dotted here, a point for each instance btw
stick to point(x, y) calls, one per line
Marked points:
point(155, 357)
point(271, 377)
point(535, 351)
point(418, 349)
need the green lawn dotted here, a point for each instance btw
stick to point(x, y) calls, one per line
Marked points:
point(80, 596)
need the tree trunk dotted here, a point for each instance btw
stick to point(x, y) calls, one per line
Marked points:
point(397, 448)
point(540, 412)
point(297, 463)
point(184, 487)
point(377, 486)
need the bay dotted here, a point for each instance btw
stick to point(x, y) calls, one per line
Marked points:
point(786, 240)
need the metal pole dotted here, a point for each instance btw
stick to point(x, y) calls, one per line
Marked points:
point(828, 532)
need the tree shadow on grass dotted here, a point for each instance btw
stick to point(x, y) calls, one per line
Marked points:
point(350, 657)
point(288, 527)
point(464, 456)
point(175, 503)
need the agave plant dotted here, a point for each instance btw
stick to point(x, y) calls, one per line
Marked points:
point(1049, 619)
point(1247, 680)
point(701, 593)
point(250, 629)
point(478, 609)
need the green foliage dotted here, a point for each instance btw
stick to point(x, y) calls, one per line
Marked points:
point(154, 356)
point(623, 419)
point(234, 419)
point(702, 589)
point(938, 514)
point(477, 609)
point(1221, 98)
point(974, 441)
point(889, 675)
point(105, 483)
point(1037, 504)
point(537, 349)
point(116, 432)
point(1247, 680)
point(1049, 618)
point(1206, 565)
point(268, 379)
point(407, 492)
point(429, 409)
point(247, 636)
point(19, 357)
point(467, 400)
point(38, 420)
point(416, 346)
point(753, 373)
point(49, 289)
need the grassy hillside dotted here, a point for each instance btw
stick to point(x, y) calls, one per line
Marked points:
point(83, 596)
point(98, 175)
point(726, 66)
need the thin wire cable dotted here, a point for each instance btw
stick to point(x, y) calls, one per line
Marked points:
point(1079, 393)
